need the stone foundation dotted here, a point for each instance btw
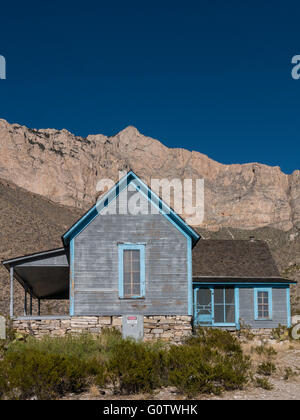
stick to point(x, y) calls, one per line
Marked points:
point(167, 328)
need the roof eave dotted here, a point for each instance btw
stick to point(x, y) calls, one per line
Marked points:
point(29, 256)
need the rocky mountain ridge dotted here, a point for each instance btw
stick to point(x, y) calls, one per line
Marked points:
point(66, 168)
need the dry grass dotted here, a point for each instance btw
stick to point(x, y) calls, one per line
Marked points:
point(94, 391)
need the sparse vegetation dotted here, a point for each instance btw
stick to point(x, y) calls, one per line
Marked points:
point(245, 331)
point(289, 373)
point(211, 361)
point(136, 367)
point(35, 374)
point(266, 351)
point(263, 383)
point(266, 369)
point(281, 333)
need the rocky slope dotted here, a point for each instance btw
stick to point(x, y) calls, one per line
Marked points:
point(66, 168)
point(29, 223)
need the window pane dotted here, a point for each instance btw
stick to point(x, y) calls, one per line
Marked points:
point(204, 297)
point(135, 278)
point(136, 266)
point(230, 313)
point(126, 278)
point(229, 295)
point(219, 295)
point(131, 273)
point(127, 261)
point(136, 289)
point(262, 304)
point(219, 313)
point(127, 290)
point(135, 255)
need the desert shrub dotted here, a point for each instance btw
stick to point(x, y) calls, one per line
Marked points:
point(32, 373)
point(266, 351)
point(12, 336)
point(263, 383)
point(135, 367)
point(82, 346)
point(266, 369)
point(108, 340)
point(210, 362)
point(281, 333)
point(245, 331)
point(289, 373)
point(213, 338)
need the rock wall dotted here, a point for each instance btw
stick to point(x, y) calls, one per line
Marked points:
point(168, 328)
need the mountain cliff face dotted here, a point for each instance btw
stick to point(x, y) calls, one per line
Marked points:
point(66, 168)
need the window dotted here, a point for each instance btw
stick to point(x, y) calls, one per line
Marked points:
point(216, 306)
point(224, 306)
point(131, 271)
point(263, 303)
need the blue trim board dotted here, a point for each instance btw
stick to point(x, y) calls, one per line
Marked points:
point(237, 307)
point(241, 284)
point(121, 249)
point(269, 291)
point(288, 307)
point(190, 276)
point(72, 277)
point(113, 193)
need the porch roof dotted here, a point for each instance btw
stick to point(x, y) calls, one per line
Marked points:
point(45, 275)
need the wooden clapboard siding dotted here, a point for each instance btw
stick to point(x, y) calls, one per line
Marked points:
point(279, 308)
point(96, 274)
point(60, 260)
point(57, 259)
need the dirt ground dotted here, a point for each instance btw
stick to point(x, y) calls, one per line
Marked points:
point(287, 357)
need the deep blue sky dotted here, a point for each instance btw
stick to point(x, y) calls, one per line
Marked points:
point(211, 76)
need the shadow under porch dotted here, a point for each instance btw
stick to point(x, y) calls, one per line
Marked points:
point(44, 278)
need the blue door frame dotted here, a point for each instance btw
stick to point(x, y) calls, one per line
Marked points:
point(206, 318)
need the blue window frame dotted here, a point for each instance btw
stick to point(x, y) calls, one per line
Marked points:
point(216, 306)
point(224, 306)
point(131, 271)
point(263, 304)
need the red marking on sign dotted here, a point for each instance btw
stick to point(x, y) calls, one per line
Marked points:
point(131, 318)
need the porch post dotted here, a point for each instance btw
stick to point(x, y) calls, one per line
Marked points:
point(30, 304)
point(39, 307)
point(11, 311)
point(25, 302)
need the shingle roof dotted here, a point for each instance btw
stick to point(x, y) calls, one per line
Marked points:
point(233, 258)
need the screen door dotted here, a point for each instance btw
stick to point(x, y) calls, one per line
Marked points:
point(203, 306)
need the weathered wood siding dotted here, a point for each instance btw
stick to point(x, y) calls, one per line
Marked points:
point(59, 259)
point(279, 308)
point(96, 270)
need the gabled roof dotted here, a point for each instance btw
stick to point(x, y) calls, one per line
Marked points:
point(231, 260)
point(107, 198)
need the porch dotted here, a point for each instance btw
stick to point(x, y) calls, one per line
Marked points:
point(43, 276)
